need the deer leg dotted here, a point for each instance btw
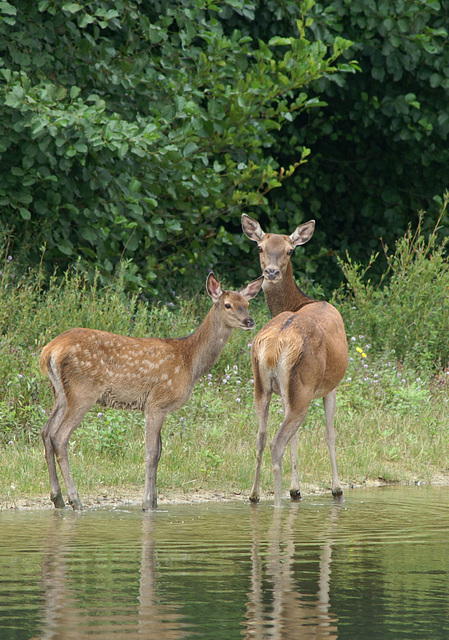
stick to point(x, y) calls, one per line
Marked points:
point(60, 441)
point(330, 402)
point(52, 425)
point(262, 404)
point(153, 449)
point(288, 430)
point(295, 493)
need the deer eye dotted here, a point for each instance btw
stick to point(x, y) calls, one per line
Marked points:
point(260, 249)
point(290, 252)
point(228, 306)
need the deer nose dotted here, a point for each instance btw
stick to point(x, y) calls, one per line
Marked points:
point(271, 274)
point(249, 322)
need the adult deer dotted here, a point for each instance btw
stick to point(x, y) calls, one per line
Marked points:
point(154, 375)
point(301, 354)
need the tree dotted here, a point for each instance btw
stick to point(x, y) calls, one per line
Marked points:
point(135, 130)
point(379, 147)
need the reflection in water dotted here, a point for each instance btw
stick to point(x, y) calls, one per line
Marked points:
point(313, 569)
point(61, 616)
point(156, 620)
point(66, 617)
point(276, 607)
point(288, 614)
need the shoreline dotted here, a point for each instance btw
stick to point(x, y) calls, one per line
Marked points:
point(113, 498)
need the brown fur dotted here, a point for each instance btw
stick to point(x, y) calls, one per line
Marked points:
point(300, 354)
point(154, 375)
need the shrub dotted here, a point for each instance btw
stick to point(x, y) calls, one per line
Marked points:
point(408, 314)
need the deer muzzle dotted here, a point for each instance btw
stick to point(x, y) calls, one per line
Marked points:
point(249, 323)
point(271, 274)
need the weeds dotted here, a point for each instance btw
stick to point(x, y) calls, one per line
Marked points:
point(407, 315)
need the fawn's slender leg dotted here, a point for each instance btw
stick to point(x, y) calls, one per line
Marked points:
point(60, 440)
point(52, 425)
point(154, 420)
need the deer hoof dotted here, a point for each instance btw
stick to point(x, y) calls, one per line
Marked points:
point(295, 494)
point(337, 493)
point(75, 503)
point(149, 505)
point(58, 500)
point(150, 508)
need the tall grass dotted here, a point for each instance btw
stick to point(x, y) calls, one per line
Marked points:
point(392, 404)
point(407, 314)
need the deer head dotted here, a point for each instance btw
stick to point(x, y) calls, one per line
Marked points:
point(275, 249)
point(233, 306)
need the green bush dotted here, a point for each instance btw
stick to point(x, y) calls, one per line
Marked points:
point(407, 315)
point(379, 146)
point(139, 130)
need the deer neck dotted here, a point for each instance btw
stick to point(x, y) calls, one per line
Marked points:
point(284, 295)
point(206, 344)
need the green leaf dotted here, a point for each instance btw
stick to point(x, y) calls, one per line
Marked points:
point(134, 185)
point(74, 92)
point(219, 167)
point(66, 247)
point(174, 225)
point(71, 7)
point(280, 41)
point(37, 126)
point(85, 19)
point(89, 234)
point(190, 149)
point(9, 9)
point(435, 80)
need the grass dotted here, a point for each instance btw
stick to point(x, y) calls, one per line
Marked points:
point(392, 405)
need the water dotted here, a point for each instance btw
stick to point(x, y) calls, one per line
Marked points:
point(375, 566)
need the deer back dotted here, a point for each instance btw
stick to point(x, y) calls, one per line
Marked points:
point(120, 371)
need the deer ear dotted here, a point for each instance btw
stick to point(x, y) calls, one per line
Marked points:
point(213, 287)
point(251, 228)
point(303, 233)
point(252, 289)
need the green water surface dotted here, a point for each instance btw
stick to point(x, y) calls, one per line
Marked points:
point(375, 566)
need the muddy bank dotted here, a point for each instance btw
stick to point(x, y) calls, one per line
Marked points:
point(117, 498)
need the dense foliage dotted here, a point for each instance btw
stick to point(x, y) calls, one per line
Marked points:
point(406, 316)
point(379, 149)
point(138, 130)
